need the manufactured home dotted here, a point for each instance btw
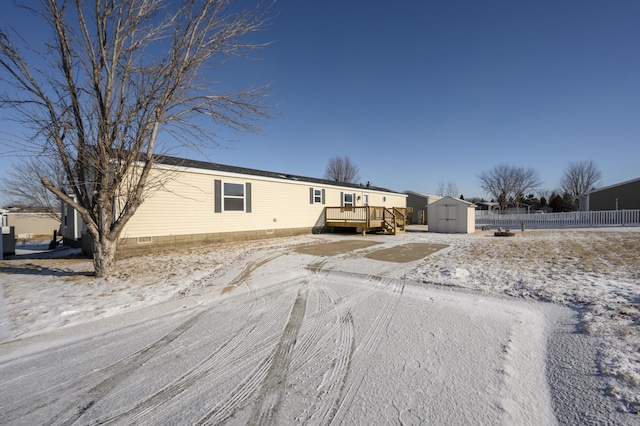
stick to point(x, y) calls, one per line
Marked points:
point(200, 202)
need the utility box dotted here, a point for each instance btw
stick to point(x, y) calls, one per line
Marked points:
point(452, 216)
point(8, 241)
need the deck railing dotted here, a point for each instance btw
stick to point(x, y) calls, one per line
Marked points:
point(392, 218)
point(347, 214)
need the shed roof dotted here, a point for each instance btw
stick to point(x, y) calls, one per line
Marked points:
point(447, 198)
point(183, 162)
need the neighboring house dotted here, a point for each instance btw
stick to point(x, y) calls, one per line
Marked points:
point(419, 201)
point(621, 196)
point(490, 206)
point(452, 216)
point(520, 208)
point(202, 202)
point(28, 224)
point(493, 207)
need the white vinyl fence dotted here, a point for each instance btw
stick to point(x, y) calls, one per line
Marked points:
point(559, 220)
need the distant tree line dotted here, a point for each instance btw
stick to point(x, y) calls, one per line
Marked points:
point(449, 189)
point(513, 186)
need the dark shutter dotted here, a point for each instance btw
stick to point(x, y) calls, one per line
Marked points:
point(323, 196)
point(311, 195)
point(247, 197)
point(217, 198)
point(341, 199)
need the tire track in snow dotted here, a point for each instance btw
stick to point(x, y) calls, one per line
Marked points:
point(243, 392)
point(232, 363)
point(240, 395)
point(92, 380)
point(48, 396)
point(71, 360)
point(270, 375)
point(328, 392)
point(310, 340)
point(314, 340)
point(325, 303)
point(250, 342)
point(272, 390)
point(245, 274)
point(325, 354)
point(223, 361)
point(359, 360)
point(117, 372)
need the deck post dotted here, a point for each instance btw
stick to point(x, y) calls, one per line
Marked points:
point(368, 219)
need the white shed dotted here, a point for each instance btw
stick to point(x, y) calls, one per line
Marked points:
point(452, 216)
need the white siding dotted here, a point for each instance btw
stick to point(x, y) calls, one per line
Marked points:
point(450, 215)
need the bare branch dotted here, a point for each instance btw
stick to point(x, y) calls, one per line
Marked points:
point(121, 73)
point(342, 169)
point(22, 184)
point(580, 178)
point(450, 189)
point(508, 184)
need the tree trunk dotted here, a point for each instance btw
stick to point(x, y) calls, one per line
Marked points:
point(104, 253)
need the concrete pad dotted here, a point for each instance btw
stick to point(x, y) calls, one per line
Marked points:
point(398, 254)
point(406, 252)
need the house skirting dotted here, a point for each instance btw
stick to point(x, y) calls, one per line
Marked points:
point(70, 242)
point(128, 247)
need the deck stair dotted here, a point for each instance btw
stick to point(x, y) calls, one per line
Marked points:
point(394, 221)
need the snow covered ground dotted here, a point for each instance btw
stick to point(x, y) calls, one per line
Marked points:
point(266, 332)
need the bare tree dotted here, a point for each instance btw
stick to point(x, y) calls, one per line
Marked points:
point(579, 178)
point(509, 184)
point(450, 189)
point(112, 76)
point(21, 185)
point(342, 169)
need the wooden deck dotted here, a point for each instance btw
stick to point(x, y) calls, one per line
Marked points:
point(392, 220)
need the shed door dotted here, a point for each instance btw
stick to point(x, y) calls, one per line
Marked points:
point(447, 218)
point(452, 218)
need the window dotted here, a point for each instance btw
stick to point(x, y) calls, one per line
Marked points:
point(232, 197)
point(347, 199)
point(316, 196)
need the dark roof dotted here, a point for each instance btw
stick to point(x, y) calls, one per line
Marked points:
point(183, 162)
point(604, 188)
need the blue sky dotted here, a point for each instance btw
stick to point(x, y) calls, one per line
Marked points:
point(423, 92)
